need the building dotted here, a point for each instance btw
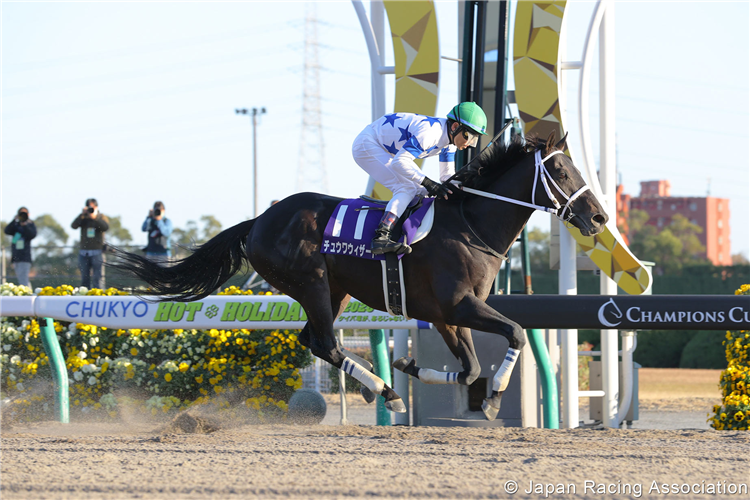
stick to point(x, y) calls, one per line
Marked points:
point(712, 214)
point(623, 212)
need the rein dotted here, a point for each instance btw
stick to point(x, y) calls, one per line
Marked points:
point(540, 172)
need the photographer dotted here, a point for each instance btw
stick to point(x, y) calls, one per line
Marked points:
point(159, 230)
point(23, 231)
point(93, 224)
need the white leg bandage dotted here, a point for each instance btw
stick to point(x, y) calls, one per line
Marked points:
point(502, 377)
point(368, 379)
point(429, 376)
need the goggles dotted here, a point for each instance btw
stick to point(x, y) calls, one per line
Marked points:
point(471, 137)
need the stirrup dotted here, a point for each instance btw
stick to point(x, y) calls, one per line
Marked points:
point(390, 246)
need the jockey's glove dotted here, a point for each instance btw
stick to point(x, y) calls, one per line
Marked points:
point(435, 189)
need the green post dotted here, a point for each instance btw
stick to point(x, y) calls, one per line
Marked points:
point(57, 365)
point(549, 383)
point(382, 367)
point(550, 398)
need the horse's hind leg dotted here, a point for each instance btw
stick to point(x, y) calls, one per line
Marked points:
point(322, 343)
point(459, 341)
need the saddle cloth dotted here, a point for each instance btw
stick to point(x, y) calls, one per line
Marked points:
point(352, 227)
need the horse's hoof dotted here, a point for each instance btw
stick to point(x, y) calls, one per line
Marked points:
point(396, 405)
point(367, 394)
point(401, 363)
point(489, 411)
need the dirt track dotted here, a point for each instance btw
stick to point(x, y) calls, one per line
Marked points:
point(100, 461)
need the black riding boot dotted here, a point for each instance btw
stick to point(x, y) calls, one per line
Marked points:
point(382, 243)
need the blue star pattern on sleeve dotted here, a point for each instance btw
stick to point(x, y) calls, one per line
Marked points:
point(392, 148)
point(432, 121)
point(390, 119)
point(405, 134)
point(446, 155)
point(412, 146)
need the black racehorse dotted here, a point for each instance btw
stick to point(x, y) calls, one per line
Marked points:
point(448, 276)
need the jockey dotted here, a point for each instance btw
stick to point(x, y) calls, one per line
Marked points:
point(387, 148)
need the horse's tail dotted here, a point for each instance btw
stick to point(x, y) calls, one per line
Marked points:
point(196, 276)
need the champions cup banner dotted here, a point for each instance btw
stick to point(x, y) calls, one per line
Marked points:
point(620, 312)
point(626, 312)
point(252, 312)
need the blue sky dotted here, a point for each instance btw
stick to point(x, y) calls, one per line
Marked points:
point(134, 102)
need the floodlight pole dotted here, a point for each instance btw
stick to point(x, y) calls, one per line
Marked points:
point(254, 121)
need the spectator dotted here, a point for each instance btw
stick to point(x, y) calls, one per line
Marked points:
point(23, 231)
point(159, 228)
point(93, 224)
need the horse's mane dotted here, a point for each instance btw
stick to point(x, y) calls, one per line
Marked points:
point(497, 159)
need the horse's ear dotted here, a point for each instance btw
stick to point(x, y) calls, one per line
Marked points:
point(561, 145)
point(550, 141)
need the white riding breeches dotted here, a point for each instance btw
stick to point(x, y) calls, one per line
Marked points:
point(403, 182)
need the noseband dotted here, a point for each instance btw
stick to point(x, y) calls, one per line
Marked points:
point(541, 172)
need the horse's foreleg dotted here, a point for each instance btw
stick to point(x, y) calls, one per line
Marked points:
point(473, 313)
point(459, 342)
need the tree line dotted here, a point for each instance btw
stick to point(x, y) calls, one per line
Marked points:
point(671, 248)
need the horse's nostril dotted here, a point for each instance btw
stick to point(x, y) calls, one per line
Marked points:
point(600, 219)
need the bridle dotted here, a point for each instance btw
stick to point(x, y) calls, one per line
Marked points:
point(541, 173)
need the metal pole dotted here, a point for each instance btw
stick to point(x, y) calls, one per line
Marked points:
point(501, 74)
point(57, 365)
point(254, 123)
point(547, 376)
point(401, 379)
point(255, 164)
point(342, 385)
point(568, 285)
point(382, 368)
point(318, 363)
point(2, 265)
point(477, 93)
point(607, 179)
point(526, 262)
point(466, 68)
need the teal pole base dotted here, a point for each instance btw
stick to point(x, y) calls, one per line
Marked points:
point(550, 399)
point(382, 367)
point(57, 365)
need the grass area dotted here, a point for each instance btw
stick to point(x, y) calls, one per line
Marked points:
point(673, 383)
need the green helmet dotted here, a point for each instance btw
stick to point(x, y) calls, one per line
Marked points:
point(470, 115)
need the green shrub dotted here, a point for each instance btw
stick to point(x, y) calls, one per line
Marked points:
point(661, 348)
point(705, 350)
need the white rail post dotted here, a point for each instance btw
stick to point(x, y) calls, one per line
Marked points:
point(607, 179)
point(318, 362)
point(342, 386)
point(568, 285)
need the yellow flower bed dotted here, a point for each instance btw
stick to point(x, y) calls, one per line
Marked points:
point(153, 371)
point(734, 412)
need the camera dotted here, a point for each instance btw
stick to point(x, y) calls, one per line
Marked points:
point(157, 212)
point(23, 216)
point(91, 210)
